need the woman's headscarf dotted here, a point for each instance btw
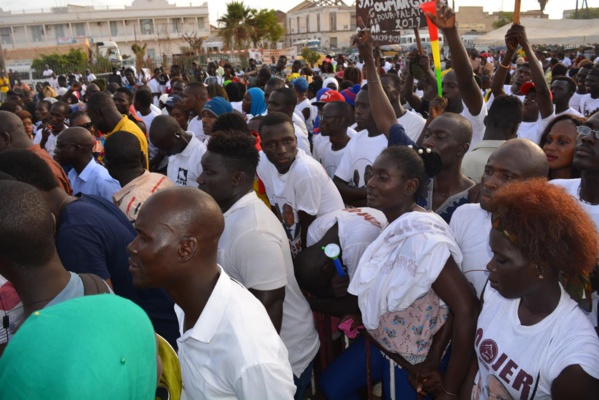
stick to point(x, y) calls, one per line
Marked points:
point(258, 102)
point(92, 347)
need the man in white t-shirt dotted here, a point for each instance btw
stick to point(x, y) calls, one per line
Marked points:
point(562, 90)
point(537, 112)
point(300, 85)
point(228, 347)
point(516, 159)
point(459, 86)
point(254, 237)
point(297, 186)
point(505, 116)
point(412, 122)
point(194, 99)
point(185, 151)
point(586, 160)
point(589, 104)
point(584, 67)
point(563, 59)
point(47, 72)
point(330, 144)
point(155, 86)
point(284, 100)
point(355, 168)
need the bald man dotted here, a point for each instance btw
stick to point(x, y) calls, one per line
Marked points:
point(74, 147)
point(185, 151)
point(107, 119)
point(228, 346)
point(449, 135)
point(516, 159)
point(124, 161)
point(194, 98)
point(13, 136)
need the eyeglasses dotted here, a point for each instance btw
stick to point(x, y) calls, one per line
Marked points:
point(322, 117)
point(585, 131)
point(87, 125)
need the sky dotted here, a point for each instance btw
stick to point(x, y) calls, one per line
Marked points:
point(218, 7)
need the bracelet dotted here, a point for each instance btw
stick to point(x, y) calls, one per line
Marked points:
point(374, 81)
point(445, 390)
point(504, 66)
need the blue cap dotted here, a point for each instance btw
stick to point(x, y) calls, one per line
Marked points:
point(218, 106)
point(300, 84)
point(321, 92)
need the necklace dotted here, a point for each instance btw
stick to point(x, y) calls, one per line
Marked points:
point(583, 200)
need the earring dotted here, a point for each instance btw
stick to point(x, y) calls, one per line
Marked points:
point(539, 271)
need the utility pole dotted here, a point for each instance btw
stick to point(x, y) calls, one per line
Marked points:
point(2, 65)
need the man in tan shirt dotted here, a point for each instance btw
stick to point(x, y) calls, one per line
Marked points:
point(125, 163)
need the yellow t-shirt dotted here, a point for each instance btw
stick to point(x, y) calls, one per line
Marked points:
point(4, 85)
point(129, 126)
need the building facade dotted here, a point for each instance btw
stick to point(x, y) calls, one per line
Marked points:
point(476, 19)
point(330, 21)
point(156, 23)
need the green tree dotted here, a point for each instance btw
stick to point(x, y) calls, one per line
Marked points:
point(503, 18)
point(310, 56)
point(236, 25)
point(265, 26)
point(74, 59)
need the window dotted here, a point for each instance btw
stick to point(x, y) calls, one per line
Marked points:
point(307, 23)
point(58, 30)
point(333, 42)
point(317, 22)
point(114, 28)
point(177, 24)
point(352, 19)
point(298, 27)
point(201, 23)
point(146, 26)
point(79, 29)
point(333, 22)
point(151, 53)
point(5, 36)
point(37, 33)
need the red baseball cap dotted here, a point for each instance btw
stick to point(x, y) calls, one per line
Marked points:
point(329, 96)
point(527, 86)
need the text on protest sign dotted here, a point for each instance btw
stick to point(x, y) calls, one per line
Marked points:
point(386, 18)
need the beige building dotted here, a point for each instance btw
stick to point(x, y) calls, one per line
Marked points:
point(331, 21)
point(155, 22)
point(475, 19)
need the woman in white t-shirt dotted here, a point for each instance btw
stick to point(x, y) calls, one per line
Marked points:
point(532, 340)
point(406, 282)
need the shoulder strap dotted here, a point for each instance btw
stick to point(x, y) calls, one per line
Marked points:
point(93, 284)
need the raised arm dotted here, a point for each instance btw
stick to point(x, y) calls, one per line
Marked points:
point(504, 65)
point(471, 95)
point(536, 72)
point(385, 115)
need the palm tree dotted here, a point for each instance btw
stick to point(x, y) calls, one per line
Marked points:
point(543, 3)
point(236, 25)
point(140, 52)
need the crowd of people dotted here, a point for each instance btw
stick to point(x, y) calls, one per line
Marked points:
point(219, 236)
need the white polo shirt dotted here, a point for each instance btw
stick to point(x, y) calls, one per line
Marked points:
point(185, 168)
point(472, 226)
point(254, 250)
point(233, 350)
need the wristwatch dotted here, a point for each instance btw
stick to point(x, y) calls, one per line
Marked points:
point(332, 251)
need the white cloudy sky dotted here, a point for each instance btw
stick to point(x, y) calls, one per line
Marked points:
point(218, 7)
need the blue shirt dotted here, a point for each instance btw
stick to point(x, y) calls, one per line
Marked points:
point(94, 180)
point(92, 236)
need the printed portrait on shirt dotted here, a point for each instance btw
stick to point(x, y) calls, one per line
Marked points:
point(288, 217)
point(182, 177)
point(362, 167)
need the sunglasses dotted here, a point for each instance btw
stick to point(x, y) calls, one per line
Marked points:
point(87, 125)
point(585, 131)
